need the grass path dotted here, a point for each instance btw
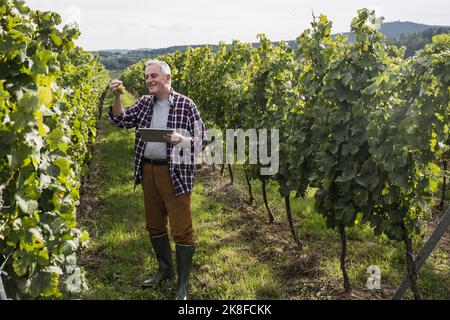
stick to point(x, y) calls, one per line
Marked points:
point(239, 255)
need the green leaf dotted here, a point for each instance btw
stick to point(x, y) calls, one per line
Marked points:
point(433, 185)
point(37, 234)
point(55, 137)
point(28, 103)
point(64, 167)
point(45, 284)
point(360, 197)
point(19, 155)
point(22, 260)
point(27, 206)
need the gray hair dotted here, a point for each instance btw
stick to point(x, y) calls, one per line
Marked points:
point(164, 66)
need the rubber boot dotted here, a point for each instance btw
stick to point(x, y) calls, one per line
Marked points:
point(163, 253)
point(184, 255)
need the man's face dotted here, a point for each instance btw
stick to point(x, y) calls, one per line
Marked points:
point(157, 82)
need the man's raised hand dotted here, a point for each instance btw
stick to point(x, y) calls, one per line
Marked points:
point(116, 87)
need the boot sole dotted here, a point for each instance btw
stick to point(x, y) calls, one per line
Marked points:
point(155, 284)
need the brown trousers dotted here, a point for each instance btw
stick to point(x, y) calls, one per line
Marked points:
point(161, 203)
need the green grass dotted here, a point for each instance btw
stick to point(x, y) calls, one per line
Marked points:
point(239, 254)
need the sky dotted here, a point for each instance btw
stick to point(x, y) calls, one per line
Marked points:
point(133, 24)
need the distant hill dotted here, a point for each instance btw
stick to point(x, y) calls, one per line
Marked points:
point(119, 59)
point(418, 40)
point(114, 51)
point(396, 29)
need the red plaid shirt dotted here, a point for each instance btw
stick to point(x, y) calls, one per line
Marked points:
point(183, 115)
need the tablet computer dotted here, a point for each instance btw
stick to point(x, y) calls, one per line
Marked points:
point(153, 134)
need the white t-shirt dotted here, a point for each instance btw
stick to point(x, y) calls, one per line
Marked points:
point(157, 150)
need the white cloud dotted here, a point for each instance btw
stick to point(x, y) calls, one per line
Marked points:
point(72, 14)
point(153, 25)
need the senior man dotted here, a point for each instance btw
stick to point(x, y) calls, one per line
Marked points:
point(167, 184)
